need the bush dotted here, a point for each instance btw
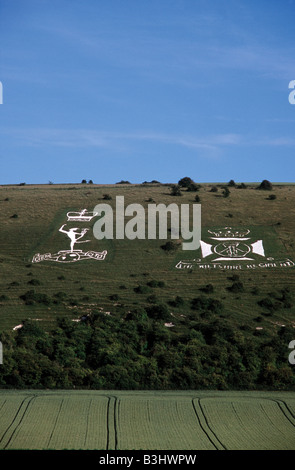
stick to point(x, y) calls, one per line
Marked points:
point(226, 192)
point(271, 197)
point(236, 287)
point(269, 304)
point(206, 304)
point(177, 302)
point(114, 297)
point(170, 246)
point(141, 289)
point(158, 312)
point(265, 185)
point(193, 187)
point(175, 190)
point(31, 297)
point(107, 197)
point(34, 282)
point(154, 283)
point(208, 289)
point(185, 182)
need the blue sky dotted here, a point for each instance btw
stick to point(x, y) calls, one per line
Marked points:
point(143, 90)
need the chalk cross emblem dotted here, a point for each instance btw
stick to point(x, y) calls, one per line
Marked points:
point(231, 244)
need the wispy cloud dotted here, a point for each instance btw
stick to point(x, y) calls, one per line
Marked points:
point(209, 145)
point(85, 138)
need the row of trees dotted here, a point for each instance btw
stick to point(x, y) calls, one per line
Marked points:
point(140, 352)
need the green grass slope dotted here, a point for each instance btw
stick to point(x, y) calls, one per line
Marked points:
point(256, 298)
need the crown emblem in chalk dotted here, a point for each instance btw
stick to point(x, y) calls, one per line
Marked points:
point(82, 216)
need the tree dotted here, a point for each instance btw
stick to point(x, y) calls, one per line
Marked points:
point(185, 182)
point(266, 185)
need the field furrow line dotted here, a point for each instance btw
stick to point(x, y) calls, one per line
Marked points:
point(19, 418)
point(87, 422)
point(286, 411)
point(16, 417)
point(203, 422)
point(55, 423)
point(111, 424)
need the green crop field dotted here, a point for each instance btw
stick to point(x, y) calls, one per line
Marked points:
point(147, 420)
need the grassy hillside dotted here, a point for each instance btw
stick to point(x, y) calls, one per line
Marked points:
point(256, 298)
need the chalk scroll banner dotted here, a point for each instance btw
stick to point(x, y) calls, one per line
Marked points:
point(68, 256)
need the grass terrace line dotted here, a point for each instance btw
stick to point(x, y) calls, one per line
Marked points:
point(157, 215)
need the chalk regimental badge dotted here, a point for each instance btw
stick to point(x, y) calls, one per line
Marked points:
point(228, 244)
point(76, 235)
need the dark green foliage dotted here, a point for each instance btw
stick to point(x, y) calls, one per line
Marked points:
point(236, 287)
point(226, 192)
point(214, 189)
point(139, 352)
point(141, 289)
point(208, 289)
point(175, 190)
point(154, 283)
point(114, 297)
point(185, 182)
point(31, 297)
point(169, 246)
point(265, 185)
point(159, 312)
point(193, 187)
point(4, 297)
point(204, 304)
point(177, 302)
point(34, 282)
